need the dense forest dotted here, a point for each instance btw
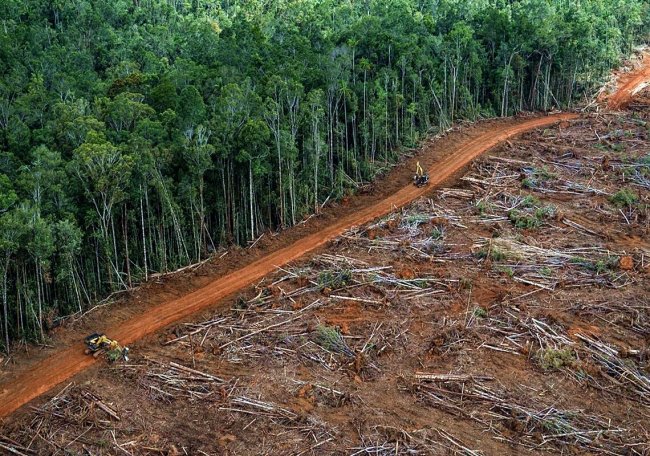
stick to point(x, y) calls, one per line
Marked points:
point(139, 136)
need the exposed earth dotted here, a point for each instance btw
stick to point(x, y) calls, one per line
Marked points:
point(503, 313)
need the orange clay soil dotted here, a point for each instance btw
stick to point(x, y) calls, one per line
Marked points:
point(628, 83)
point(46, 374)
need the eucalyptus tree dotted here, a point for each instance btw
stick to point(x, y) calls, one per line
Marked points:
point(103, 171)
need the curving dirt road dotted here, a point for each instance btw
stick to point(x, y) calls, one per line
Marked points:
point(54, 370)
point(629, 84)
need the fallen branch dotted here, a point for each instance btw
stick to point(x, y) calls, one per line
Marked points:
point(451, 377)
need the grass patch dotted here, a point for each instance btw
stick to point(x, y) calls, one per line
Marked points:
point(530, 201)
point(544, 173)
point(465, 283)
point(416, 219)
point(537, 176)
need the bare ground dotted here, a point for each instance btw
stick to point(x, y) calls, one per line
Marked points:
point(508, 314)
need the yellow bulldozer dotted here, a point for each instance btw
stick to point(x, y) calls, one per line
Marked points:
point(97, 344)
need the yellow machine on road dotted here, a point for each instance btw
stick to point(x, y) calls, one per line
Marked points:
point(420, 179)
point(98, 343)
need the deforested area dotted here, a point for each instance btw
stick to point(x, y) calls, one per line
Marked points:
point(139, 137)
point(504, 314)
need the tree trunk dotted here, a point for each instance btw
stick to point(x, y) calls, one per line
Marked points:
point(144, 239)
point(250, 196)
point(5, 304)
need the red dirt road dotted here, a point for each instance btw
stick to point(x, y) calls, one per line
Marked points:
point(628, 83)
point(48, 373)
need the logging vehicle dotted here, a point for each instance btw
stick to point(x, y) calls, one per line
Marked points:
point(420, 179)
point(97, 344)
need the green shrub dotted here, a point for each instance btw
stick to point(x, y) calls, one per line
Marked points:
point(416, 219)
point(599, 266)
point(644, 166)
point(531, 215)
point(494, 253)
point(437, 233)
point(483, 206)
point(480, 312)
point(624, 198)
point(507, 270)
point(617, 147)
point(544, 212)
point(544, 173)
point(334, 280)
point(551, 358)
point(241, 302)
point(529, 182)
point(331, 340)
point(534, 176)
point(546, 271)
point(530, 201)
point(465, 283)
point(524, 220)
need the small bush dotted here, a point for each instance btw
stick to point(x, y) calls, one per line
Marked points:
point(544, 173)
point(551, 358)
point(416, 219)
point(497, 254)
point(529, 183)
point(241, 303)
point(546, 271)
point(334, 280)
point(330, 339)
point(644, 166)
point(437, 233)
point(465, 283)
point(544, 212)
point(599, 267)
point(482, 207)
point(536, 176)
point(523, 220)
point(533, 214)
point(530, 201)
point(617, 147)
point(624, 198)
point(507, 271)
point(494, 253)
point(480, 312)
